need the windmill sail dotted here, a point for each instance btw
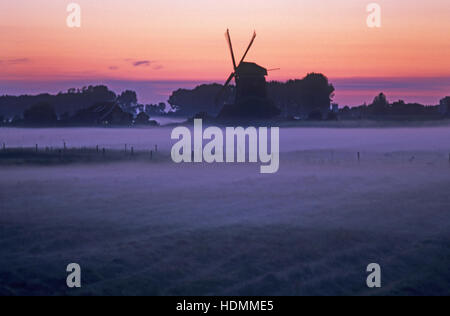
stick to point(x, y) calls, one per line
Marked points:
point(248, 48)
point(230, 45)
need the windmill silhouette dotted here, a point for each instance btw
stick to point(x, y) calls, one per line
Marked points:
point(251, 99)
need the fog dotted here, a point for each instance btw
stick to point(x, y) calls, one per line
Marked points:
point(159, 228)
point(291, 139)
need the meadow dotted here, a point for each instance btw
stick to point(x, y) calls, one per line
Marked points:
point(153, 227)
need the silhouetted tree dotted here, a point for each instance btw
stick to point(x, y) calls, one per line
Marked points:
point(315, 115)
point(201, 99)
point(65, 117)
point(332, 116)
point(2, 119)
point(302, 97)
point(316, 93)
point(401, 108)
point(156, 109)
point(380, 105)
point(70, 101)
point(444, 106)
point(142, 119)
point(127, 100)
point(283, 95)
point(40, 114)
point(16, 120)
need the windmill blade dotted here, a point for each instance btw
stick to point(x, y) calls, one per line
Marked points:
point(219, 95)
point(274, 69)
point(229, 80)
point(248, 48)
point(230, 45)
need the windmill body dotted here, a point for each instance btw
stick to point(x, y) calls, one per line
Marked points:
point(251, 100)
point(250, 81)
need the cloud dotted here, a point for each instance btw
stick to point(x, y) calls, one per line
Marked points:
point(113, 68)
point(144, 63)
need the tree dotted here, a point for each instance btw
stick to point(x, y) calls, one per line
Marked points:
point(161, 106)
point(16, 120)
point(315, 115)
point(201, 99)
point(155, 109)
point(302, 97)
point(142, 119)
point(72, 101)
point(127, 100)
point(40, 114)
point(65, 117)
point(380, 105)
point(444, 106)
point(2, 119)
point(315, 93)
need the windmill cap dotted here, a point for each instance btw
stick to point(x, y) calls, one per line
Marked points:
point(251, 69)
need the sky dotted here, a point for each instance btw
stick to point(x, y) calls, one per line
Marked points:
point(156, 45)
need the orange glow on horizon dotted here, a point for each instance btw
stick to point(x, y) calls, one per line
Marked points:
point(183, 40)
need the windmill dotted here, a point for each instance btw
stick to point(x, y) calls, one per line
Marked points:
point(251, 90)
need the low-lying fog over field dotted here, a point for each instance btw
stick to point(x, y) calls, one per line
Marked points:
point(158, 228)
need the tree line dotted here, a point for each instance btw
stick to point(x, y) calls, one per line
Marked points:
point(92, 105)
point(302, 97)
point(307, 98)
point(382, 109)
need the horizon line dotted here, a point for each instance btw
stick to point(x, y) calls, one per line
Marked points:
point(351, 91)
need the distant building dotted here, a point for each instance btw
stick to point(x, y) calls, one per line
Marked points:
point(103, 113)
point(335, 108)
point(444, 106)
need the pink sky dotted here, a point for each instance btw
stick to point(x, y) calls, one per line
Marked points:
point(142, 40)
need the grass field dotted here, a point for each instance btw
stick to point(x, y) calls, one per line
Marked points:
point(156, 228)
